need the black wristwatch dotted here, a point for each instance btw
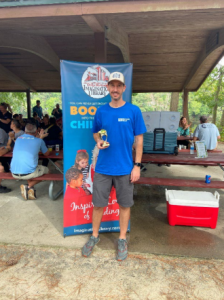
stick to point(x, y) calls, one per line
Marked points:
point(137, 164)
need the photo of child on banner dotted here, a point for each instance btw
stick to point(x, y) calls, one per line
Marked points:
point(78, 194)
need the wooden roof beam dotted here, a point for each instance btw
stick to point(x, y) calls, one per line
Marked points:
point(118, 7)
point(14, 78)
point(33, 44)
point(207, 60)
point(113, 33)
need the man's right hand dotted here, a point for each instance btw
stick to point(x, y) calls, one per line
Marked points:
point(100, 145)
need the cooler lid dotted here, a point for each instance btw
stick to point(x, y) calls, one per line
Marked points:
point(190, 198)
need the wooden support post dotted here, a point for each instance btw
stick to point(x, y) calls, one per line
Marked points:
point(185, 104)
point(100, 47)
point(28, 103)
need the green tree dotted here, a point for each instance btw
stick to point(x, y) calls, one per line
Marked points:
point(17, 102)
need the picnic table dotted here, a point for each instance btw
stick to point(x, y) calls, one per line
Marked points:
point(215, 158)
point(50, 177)
point(185, 158)
point(184, 138)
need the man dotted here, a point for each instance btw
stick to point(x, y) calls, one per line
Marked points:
point(57, 112)
point(124, 124)
point(4, 167)
point(5, 117)
point(3, 138)
point(24, 163)
point(38, 109)
point(207, 132)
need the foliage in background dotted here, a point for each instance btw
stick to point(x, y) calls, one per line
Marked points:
point(152, 101)
point(208, 100)
point(47, 101)
point(17, 101)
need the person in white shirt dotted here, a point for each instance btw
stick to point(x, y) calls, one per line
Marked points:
point(208, 133)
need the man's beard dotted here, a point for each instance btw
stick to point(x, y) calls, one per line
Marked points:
point(116, 99)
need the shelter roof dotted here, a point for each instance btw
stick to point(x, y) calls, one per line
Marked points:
point(172, 44)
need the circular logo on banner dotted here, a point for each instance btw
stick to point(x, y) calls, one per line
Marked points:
point(94, 81)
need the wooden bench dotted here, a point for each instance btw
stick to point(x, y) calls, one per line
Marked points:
point(48, 177)
point(181, 182)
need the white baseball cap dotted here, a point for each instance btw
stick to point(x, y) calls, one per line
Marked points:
point(116, 76)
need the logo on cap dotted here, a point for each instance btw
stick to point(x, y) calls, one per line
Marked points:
point(116, 76)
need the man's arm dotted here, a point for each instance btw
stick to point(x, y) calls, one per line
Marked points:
point(135, 173)
point(7, 121)
point(47, 153)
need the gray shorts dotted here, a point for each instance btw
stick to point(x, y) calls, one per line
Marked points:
point(40, 170)
point(102, 185)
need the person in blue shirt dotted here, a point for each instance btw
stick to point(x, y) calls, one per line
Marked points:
point(24, 164)
point(123, 123)
point(38, 109)
point(208, 133)
point(184, 127)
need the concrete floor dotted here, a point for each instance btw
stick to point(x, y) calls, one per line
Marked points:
point(40, 222)
point(38, 263)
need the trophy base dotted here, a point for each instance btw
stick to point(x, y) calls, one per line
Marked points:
point(106, 144)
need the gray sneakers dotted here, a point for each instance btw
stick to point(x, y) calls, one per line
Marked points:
point(122, 251)
point(88, 248)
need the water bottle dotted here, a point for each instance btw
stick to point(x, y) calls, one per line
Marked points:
point(192, 148)
point(57, 149)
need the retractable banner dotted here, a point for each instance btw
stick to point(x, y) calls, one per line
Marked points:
point(84, 89)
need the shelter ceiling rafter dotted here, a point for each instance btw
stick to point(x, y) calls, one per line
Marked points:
point(113, 33)
point(211, 54)
point(107, 8)
point(34, 44)
point(14, 78)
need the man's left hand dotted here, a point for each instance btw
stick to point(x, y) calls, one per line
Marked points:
point(135, 174)
point(42, 134)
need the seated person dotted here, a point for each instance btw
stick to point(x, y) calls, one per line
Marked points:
point(54, 138)
point(16, 117)
point(184, 131)
point(184, 127)
point(15, 133)
point(208, 133)
point(3, 137)
point(24, 164)
point(4, 166)
point(54, 134)
point(12, 136)
point(5, 116)
point(37, 119)
point(45, 123)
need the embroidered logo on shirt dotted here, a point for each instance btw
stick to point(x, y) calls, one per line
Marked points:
point(123, 119)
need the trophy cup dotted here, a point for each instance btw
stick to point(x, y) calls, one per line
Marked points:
point(103, 133)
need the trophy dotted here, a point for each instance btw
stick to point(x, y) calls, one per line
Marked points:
point(103, 133)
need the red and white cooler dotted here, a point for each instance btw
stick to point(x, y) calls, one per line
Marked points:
point(192, 208)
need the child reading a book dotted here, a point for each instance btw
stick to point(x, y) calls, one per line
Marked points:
point(82, 164)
